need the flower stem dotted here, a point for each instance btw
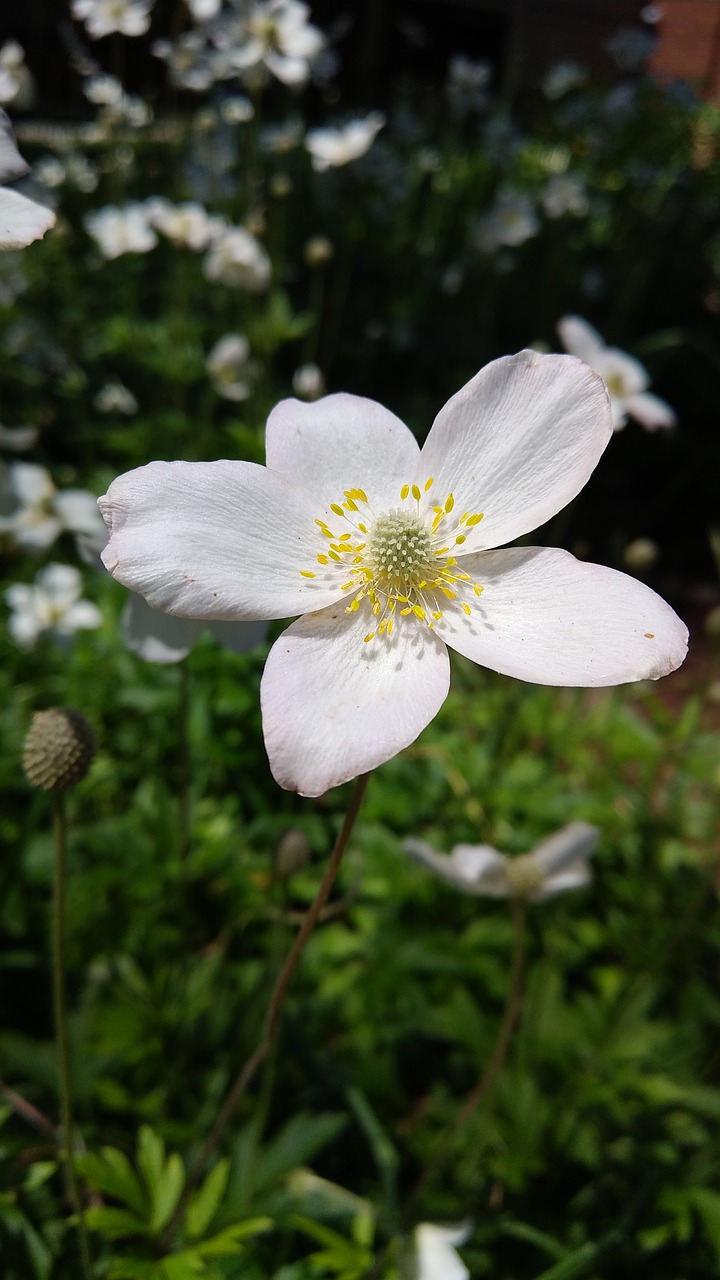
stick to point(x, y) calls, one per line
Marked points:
point(274, 1009)
point(61, 1031)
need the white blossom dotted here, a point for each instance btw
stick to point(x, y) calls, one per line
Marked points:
point(330, 148)
point(230, 367)
point(16, 82)
point(625, 377)
point(308, 382)
point(52, 605)
point(558, 863)
point(565, 194)
point(237, 258)
point(187, 225)
point(433, 1253)
point(21, 220)
point(272, 36)
point(120, 229)
point(103, 17)
point(511, 222)
point(386, 556)
point(115, 397)
point(41, 512)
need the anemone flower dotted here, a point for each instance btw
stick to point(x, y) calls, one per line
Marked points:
point(21, 220)
point(387, 552)
point(625, 377)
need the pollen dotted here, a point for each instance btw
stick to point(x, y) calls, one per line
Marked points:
point(397, 563)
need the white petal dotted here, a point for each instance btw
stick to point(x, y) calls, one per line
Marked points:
point(471, 868)
point(575, 876)
point(334, 707)
point(31, 483)
point(83, 615)
point(342, 442)
point(78, 511)
point(155, 636)
point(650, 411)
point(580, 339)
point(22, 220)
point(12, 165)
point(216, 540)
point(61, 583)
point(549, 618)
point(436, 1258)
point(518, 443)
point(573, 843)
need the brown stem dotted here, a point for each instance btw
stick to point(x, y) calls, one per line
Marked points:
point(23, 1108)
point(274, 1009)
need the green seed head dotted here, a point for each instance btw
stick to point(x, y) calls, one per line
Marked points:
point(399, 548)
point(58, 749)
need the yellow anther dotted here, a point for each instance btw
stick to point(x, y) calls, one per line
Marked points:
point(466, 609)
point(323, 560)
point(335, 506)
point(404, 491)
point(376, 608)
point(437, 616)
point(361, 494)
point(351, 506)
point(305, 573)
point(478, 589)
point(419, 612)
point(389, 626)
point(362, 528)
point(429, 483)
point(404, 612)
point(345, 537)
point(460, 538)
point(472, 520)
point(449, 503)
point(328, 532)
point(347, 585)
point(369, 636)
point(416, 493)
point(451, 595)
point(334, 556)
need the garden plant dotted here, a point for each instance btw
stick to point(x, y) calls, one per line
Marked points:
point(360, 831)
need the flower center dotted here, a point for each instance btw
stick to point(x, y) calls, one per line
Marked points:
point(400, 561)
point(525, 875)
point(400, 548)
point(615, 384)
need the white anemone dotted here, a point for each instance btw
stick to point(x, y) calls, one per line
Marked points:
point(330, 148)
point(557, 864)
point(625, 377)
point(434, 1256)
point(21, 220)
point(52, 604)
point(387, 552)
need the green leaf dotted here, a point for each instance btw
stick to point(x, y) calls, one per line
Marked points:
point(205, 1203)
point(167, 1193)
point(151, 1159)
point(112, 1173)
point(231, 1239)
point(116, 1223)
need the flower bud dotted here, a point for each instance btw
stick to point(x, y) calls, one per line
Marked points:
point(58, 750)
point(292, 853)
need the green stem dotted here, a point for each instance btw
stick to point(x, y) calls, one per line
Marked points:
point(61, 1031)
point(274, 1008)
point(184, 769)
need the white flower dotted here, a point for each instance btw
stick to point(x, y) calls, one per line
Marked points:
point(237, 109)
point(558, 863)
point(565, 194)
point(561, 78)
point(160, 637)
point(386, 551)
point(204, 10)
point(191, 63)
point(103, 17)
point(104, 90)
point(119, 229)
point(308, 382)
point(16, 83)
point(115, 397)
point(186, 224)
point(433, 1255)
point(18, 439)
point(230, 367)
point(21, 220)
point(467, 84)
point(52, 605)
point(274, 35)
point(510, 223)
point(625, 377)
point(237, 258)
point(42, 513)
point(330, 148)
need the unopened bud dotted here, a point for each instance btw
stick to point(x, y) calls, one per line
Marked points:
point(58, 749)
point(292, 853)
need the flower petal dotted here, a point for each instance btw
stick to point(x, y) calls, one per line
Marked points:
point(573, 843)
point(155, 636)
point(650, 411)
point(334, 707)
point(518, 443)
point(22, 220)
point(468, 867)
point(216, 540)
point(580, 339)
point(342, 442)
point(549, 618)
